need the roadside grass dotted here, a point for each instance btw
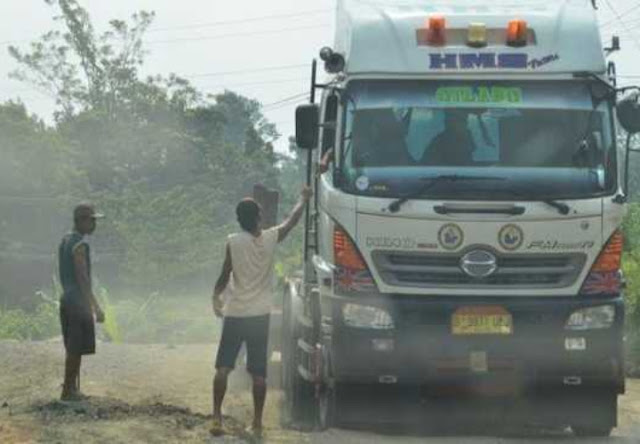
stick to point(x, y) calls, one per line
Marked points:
point(168, 319)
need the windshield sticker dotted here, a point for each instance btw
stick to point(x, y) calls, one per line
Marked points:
point(362, 183)
point(557, 245)
point(451, 237)
point(379, 187)
point(510, 237)
point(480, 94)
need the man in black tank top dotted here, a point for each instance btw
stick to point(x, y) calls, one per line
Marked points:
point(78, 305)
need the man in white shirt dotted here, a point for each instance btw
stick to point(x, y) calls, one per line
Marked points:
point(247, 275)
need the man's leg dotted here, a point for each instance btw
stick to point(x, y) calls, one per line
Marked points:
point(219, 390)
point(71, 372)
point(228, 349)
point(257, 345)
point(259, 396)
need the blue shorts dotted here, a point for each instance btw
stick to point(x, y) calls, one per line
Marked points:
point(254, 332)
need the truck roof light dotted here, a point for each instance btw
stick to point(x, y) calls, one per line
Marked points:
point(436, 32)
point(477, 36)
point(517, 33)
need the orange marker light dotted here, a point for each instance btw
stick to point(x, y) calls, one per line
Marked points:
point(436, 34)
point(611, 255)
point(346, 254)
point(517, 33)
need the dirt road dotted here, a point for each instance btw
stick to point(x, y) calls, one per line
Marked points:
point(161, 394)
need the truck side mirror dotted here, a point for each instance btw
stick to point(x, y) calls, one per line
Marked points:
point(307, 126)
point(628, 110)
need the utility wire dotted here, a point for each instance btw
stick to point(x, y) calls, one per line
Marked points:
point(240, 21)
point(245, 71)
point(628, 11)
point(212, 24)
point(300, 101)
point(269, 82)
point(287, 99)
point(619, 18)
point(254, 34)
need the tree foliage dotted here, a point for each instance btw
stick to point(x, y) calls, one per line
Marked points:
point(166, 163)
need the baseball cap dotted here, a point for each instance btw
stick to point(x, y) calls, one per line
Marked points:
point(86, 210)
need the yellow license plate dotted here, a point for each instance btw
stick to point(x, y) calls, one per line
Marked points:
point(484, 320)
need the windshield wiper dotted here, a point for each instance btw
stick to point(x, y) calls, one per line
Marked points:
point(562, 207)
point(431, 182)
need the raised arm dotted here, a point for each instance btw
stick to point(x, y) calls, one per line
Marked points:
point(84, 281)
point(285, 227)
point(221, 284)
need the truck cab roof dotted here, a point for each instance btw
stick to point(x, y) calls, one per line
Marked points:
point(387, 38)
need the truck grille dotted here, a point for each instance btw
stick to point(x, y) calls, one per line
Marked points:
point(404, 269)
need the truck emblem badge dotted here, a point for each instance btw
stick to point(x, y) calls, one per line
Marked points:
point(479, 263)
point(511, 237)
point(450, 236)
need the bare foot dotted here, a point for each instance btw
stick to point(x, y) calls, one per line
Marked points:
point(256, 432)
point(216, 426)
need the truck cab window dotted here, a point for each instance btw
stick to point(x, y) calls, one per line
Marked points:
point(330, 116)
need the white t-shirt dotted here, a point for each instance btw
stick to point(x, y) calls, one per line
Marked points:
point(250, 289)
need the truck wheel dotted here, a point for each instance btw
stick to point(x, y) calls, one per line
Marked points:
point(326, 408)
point(589, 431)
point(299, 402)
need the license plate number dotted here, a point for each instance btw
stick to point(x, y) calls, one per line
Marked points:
point(484, 320)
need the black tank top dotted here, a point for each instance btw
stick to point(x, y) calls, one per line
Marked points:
point(66, 265)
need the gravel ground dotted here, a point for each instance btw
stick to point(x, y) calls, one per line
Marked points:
point(162, 394)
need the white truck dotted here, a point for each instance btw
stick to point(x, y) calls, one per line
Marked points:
point(462, 255)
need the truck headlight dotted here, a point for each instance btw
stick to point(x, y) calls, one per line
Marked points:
point(592, 318)
point(366, 316)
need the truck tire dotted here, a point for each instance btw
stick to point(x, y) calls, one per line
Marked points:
point(589, 431)
point(326, 410)
point(299, 403)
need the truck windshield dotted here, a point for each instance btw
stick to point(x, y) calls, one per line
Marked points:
point(551, 140)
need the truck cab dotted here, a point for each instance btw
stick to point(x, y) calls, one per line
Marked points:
point(465, 241)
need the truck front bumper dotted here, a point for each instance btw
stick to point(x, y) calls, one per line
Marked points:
point(421, 349)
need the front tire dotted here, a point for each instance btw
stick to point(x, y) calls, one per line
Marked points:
point(299, 403)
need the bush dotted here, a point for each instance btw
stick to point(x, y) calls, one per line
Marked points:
point(631, 267)
point(41, 324)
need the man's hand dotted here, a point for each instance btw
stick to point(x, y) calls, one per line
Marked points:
point(306, 194)
point(218, 305)
point(99, 315)
point(285, 227)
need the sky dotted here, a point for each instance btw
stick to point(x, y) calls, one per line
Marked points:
point(261, 49)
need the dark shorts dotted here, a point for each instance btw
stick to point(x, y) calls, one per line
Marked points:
point(254, 332)
point(78, 329)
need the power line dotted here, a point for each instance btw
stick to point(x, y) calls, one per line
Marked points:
point(240, 21)
point(628, 11)
point(619, 18)
point(287, 99)
point(300, 101)
point(269, 82)
point(212, 24)
point(247, 70)
point(254, 34)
